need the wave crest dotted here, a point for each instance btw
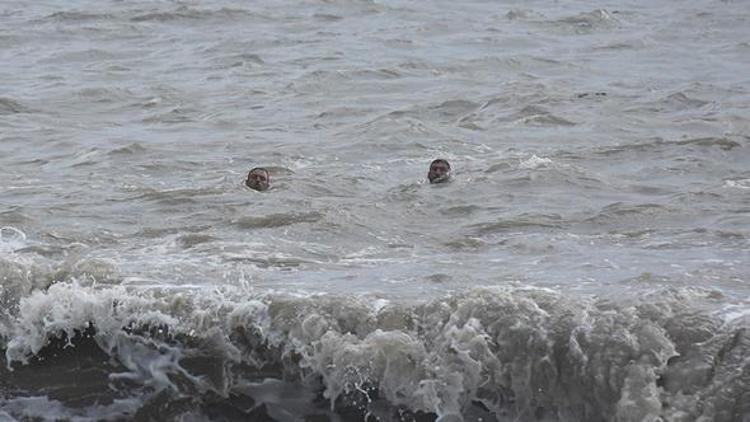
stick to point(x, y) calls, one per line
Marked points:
point(511, 353)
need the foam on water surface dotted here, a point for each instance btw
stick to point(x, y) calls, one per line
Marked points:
point(512, 353)
point(587, 261)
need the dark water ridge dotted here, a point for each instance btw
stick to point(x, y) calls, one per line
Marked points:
point(487, 354)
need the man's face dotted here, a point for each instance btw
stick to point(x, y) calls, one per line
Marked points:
point(439, 171)
point(258, 179)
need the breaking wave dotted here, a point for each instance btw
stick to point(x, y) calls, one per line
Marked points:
point(486, 354)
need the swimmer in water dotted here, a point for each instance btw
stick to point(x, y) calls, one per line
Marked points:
point(440, 171)
point(258, 179)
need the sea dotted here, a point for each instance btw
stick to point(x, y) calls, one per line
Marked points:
point(589, 260)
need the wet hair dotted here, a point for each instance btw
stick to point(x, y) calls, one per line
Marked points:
point(268, 175)
point(440, 161)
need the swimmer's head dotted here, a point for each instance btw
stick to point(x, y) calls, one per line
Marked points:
point(258, 179)
point(440, 171)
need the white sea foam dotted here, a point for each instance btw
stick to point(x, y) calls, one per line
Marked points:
point(739, 183)
point(11, 239)
point(133, 259)
point(437, 356)
point(535, 162)
point(43, 408)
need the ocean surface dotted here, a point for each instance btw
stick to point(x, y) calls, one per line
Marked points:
point(589, 260)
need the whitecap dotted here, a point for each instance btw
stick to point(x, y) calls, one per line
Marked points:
point(738, 183)
point(535, 162)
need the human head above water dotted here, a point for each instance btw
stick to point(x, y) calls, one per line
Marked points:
point(258, 179)
point(440, 171)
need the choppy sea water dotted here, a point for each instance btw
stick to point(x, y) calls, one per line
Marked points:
point(589, 260)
